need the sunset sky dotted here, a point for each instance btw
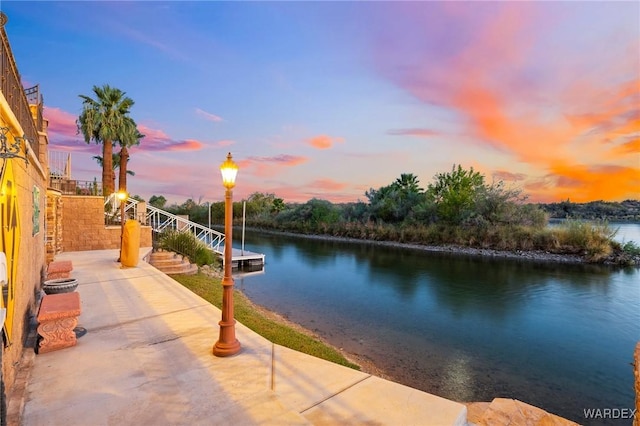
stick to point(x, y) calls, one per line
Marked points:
point(329, 99)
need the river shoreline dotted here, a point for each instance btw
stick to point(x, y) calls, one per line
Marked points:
point(519, 255)
point(405, 372)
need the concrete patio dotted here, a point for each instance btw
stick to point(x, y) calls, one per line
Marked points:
point(146, 359)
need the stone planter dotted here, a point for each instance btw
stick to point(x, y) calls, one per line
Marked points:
point(61, 285)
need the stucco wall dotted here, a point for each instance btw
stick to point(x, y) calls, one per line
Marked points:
point(30, 196)
point(83, 226)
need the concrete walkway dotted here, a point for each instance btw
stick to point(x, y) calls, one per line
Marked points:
point(146, 359)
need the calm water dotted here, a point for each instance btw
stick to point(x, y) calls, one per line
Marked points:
point(560, 337)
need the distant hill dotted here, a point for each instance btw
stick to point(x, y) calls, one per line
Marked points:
point(625, 211)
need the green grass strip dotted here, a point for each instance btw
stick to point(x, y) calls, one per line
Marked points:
point(279, 333)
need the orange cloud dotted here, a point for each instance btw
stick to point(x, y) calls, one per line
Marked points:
point(541, 117)
point(582, 183)
point(324, 141)
point(630, 147)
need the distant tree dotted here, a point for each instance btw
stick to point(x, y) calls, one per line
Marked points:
point(455, 193)
point(260, 203)
point(105, 120)
point(217, 212)
point(314, 211)
point(407, 183)
point(395, 202)
point(278, 205)
point(157, 201)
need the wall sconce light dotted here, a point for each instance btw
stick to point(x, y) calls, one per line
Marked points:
point(12, 150)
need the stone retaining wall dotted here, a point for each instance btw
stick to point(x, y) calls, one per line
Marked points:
point(83, 226)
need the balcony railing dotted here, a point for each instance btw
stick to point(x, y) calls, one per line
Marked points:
point(75, 187)
point(11, 87)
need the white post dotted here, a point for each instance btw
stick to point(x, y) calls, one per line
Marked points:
point(209, 210)
point(244, 209)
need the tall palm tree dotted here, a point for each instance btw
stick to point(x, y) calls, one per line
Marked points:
point(105, 120)
point(131, 137)
point(116, 165)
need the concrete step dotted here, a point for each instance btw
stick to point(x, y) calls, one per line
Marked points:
point(172, 263)
point(163, 255)
point(186, 269)
point(169, 262)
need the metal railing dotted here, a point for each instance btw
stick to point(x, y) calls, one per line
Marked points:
point(60, 164)
point(160, 220)
point(74, 187)
point(11, 87)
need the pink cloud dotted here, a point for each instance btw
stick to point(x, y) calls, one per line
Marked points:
point(269, 166)
point(421, 133)
point(224, 143)
point(157, 140)
point(508, 176)
point(327, 185)
point(208, 116)
point(63, 133)
point(324, 141)
point(282, 159)
point(61, 122)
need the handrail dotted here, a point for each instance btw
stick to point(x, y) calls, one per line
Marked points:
point(11, 88)
point(159, 220)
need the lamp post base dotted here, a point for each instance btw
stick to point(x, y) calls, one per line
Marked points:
point(223, 349)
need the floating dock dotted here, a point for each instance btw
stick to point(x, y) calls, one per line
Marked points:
point(240, 258)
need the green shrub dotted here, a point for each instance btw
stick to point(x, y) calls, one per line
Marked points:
point(592, 239)
point(188, 245)
point(630, 247)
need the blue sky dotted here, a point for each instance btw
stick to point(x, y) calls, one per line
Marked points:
point(329, 99)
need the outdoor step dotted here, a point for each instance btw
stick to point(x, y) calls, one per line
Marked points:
point(169, 262)
point(162, 255)
point(186, 269)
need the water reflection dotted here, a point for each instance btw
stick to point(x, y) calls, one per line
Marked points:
point(557, 336)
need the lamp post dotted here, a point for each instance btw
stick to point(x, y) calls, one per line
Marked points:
point(227, 343)
point(122, 196)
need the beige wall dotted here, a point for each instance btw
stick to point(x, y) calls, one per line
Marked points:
point(83, 226)
point(31, 259)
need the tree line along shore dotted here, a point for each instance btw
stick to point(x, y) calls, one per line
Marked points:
point(457, 211)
